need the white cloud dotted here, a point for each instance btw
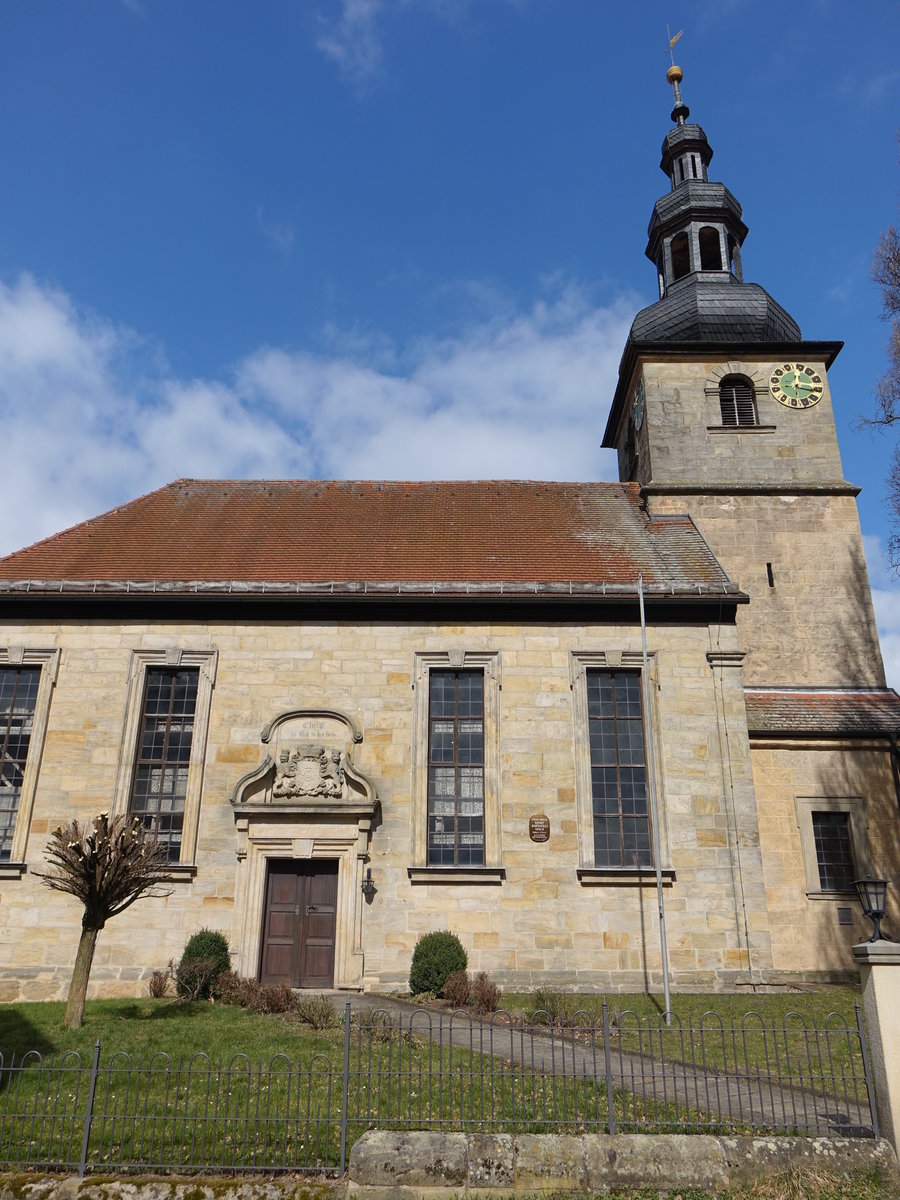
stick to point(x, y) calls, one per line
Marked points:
point(96, 418)
point(279, 234)
point(886, 600)
point(353, 42)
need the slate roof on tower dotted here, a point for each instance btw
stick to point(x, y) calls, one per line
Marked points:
point(504, 536)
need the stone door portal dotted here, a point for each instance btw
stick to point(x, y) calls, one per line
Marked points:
point(299, 923)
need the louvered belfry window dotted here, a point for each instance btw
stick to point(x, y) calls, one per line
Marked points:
point(737, 401)
point(164, 754)
point(456, 769)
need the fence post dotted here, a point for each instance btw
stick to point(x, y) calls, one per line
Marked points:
point(611, 1119)
point(867, 1070)
point(89, 1115)
point(879, 972)
point(345, 1087)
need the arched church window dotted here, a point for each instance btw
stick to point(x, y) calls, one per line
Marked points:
point(737, 401)
point(710, 249)
point(681, 256)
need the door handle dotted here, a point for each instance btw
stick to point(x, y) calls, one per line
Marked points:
point(311, 908)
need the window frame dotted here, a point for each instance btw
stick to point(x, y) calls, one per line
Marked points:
point(457, 763)
point(48, 661)
point(424, 662)
point(587, 871)
point(855, 809)
point(175, 658)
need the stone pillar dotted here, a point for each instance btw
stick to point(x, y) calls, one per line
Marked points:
point(879, 972)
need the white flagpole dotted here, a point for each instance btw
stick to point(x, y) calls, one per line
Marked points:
point(654, 811)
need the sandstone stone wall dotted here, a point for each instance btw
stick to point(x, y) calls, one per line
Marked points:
point(539, 924)
point(806, 935)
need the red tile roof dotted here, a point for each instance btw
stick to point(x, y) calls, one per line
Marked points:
point(308, 533)
point(822, 711)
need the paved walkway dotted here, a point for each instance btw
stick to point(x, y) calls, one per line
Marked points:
point(641, 1079)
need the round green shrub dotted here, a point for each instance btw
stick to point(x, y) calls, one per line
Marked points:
point(204, 959)
point(435, 958)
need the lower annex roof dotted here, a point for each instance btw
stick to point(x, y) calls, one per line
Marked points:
point(822, 712)
point(496, 537)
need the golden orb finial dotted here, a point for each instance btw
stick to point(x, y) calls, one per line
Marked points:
point(674, 74)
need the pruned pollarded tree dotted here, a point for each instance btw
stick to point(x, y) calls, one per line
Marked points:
point(107, 865)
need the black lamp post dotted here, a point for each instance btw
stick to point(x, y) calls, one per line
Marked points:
point(873, 898)
point(368, 883)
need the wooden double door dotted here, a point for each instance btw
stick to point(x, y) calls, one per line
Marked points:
point(299, 923)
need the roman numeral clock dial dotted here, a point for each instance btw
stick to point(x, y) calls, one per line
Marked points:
point(796, 386)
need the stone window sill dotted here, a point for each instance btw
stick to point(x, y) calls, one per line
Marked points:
point(12, 870)
point(843, 897)
point(623, 876)
point(741, 428)
point(456, 874)
point(181, 872)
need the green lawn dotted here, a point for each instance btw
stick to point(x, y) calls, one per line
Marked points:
point(813, 1007)
point(270, 1094)
point(145, 1027)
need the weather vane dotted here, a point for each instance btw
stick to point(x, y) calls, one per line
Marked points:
point(675, 75)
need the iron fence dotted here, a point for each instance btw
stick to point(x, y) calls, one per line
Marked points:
point(616, 1073)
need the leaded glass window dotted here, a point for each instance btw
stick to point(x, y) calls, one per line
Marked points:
point(164, 751)
point(18, 696)
point(621, 814)
point(834, 855)
point(456, 768)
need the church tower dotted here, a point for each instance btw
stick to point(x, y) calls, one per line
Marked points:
point(723, 410)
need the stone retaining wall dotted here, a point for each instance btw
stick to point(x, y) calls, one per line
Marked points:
point(440, 1166)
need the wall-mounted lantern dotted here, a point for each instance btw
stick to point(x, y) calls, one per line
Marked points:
point(873, 898)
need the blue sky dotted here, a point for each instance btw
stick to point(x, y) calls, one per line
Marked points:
point(403, 238)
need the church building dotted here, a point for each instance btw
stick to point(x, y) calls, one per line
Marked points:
point(358, 712)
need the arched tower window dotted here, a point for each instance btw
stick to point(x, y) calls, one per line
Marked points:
point(710, 249)
point(737, 401)
point(681, 256)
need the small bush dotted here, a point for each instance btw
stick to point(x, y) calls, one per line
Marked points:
point(317, 1011)
point(435, 958)
point(378, 1025)
point(232, 989)
point(204, 959)
point(270, 998)
point(486, 995)
point(550, 1008)
point(159, 983)
point(456, 989)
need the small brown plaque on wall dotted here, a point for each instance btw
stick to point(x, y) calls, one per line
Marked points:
point(539, 828)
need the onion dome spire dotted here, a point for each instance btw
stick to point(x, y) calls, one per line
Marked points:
point(694, 238)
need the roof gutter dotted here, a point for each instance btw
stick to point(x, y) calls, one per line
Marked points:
point(352, 589)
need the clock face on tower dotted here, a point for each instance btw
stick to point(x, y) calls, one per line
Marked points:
point(796, 386)
point(637, 411)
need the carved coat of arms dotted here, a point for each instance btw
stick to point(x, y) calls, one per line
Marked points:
point(307, 769)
